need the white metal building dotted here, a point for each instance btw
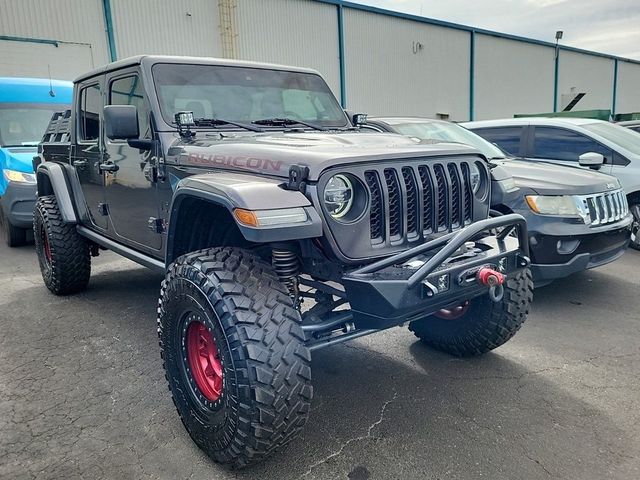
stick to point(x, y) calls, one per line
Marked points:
point(376, 61)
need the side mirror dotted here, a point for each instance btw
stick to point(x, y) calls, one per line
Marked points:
point(121, 122)
point(591, 159)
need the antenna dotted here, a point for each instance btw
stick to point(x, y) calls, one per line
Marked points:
point(51, 92)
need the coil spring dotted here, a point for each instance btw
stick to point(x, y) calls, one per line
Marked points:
point(285, 263)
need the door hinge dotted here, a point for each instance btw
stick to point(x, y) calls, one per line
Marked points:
point(103, 208)
point(158, 225)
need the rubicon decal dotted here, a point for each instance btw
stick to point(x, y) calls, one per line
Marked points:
point(237, 161)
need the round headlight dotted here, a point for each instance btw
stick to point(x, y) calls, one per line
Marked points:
point(338, 196)
point(474, 177)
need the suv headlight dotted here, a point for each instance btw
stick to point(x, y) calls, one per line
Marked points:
point(338, 195)
point(560, 205)
point(19, 177)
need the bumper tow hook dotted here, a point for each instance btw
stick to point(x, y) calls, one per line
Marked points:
point(488, 277)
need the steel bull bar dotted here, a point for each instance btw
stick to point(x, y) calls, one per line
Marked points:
point(425, 279)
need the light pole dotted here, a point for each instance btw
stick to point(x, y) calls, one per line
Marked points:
point(559, 35)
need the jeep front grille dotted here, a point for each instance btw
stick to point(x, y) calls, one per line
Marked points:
point(606, 208)
point(412, 201)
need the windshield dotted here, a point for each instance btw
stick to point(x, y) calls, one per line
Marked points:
point(24, 123)
point(246, 95)
point(448, 132)
point(621, 136)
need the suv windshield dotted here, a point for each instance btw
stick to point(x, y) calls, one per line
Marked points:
point(448, 132)
point(240, 94)
point(621, 136)
point(24, 124)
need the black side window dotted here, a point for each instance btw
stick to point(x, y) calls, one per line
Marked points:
point(507, 138)
point(90, 107)
point(129, 91)
point(561, 144)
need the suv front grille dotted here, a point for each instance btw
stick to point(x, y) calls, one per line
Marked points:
point(606, 208)
point(420, 200)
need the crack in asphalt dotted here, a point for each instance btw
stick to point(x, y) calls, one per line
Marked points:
point(354, 439)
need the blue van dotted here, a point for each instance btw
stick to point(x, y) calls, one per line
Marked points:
point(26, 106)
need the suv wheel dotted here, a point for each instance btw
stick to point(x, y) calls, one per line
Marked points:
point(63, 254)
point(234, 355)
point(14, 236)
point(480, 325)
point(634, 208)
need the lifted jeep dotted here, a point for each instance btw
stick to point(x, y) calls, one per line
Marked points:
point(270, 214)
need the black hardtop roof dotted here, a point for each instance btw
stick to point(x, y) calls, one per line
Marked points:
point(152, 59)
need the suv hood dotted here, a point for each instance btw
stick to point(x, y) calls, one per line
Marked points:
point(17, 158)
point(550, 179)
point(273, 153)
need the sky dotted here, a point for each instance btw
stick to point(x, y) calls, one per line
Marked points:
point(608, 26)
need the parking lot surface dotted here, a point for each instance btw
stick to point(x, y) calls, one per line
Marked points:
point(82, 392)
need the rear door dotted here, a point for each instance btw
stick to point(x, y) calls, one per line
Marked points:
point(511, 139)
point(130, 182)
point(564, 147)
point(87, 152)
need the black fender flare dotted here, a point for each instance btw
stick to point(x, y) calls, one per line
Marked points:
point(53, 174)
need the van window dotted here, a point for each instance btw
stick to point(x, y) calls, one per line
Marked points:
point(561, 144)
point(90, 107)
point(507, 138)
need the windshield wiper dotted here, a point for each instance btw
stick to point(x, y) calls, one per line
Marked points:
point(285, 122)
point(216, 122)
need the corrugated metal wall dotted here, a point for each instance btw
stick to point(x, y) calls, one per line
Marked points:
point(303, 33)
point(382, 73)
point(389, 73)
point(77, 21)
point(171, 27)
point(512, 77)
point(628, 91)
point(580, 73)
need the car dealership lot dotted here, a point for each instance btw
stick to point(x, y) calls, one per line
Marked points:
point(82, 394)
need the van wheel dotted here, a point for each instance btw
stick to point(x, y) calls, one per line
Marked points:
point(234, 355)
point(63, 254)
point(479, 325)
point(14, 236)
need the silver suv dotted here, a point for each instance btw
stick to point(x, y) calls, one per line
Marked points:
point(574, 142)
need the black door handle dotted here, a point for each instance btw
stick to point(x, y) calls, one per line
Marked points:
point(79, 163)
point(108, 167)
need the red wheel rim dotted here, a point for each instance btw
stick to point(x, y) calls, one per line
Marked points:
point(45, 245)
point(204, 361)
point(453, 313)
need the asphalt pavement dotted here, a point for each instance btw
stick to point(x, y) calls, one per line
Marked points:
point(82, 392)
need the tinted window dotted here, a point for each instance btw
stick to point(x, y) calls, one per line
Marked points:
point(507, 138)
point(90, 107)
point(25, 123)
point(129, 91)
point(561, 144)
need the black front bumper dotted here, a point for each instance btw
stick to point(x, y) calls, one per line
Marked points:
point(18, 202)
point(557, 256)
point(435, 275)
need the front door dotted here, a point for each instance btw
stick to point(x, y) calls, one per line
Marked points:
point(130, 183)
point(87, 153)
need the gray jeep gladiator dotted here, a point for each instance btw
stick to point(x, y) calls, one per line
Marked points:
point(280, 228)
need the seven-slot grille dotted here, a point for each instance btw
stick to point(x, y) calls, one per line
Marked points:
point(412, 201)
point(607, 207)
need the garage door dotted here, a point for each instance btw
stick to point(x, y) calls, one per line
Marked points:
point(27, 59)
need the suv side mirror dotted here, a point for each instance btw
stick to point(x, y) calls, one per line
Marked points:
point(121, 122)
point(591, 159)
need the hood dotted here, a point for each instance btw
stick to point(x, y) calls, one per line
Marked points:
point(273, 153)
point(18, 158)
point(550, 179)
